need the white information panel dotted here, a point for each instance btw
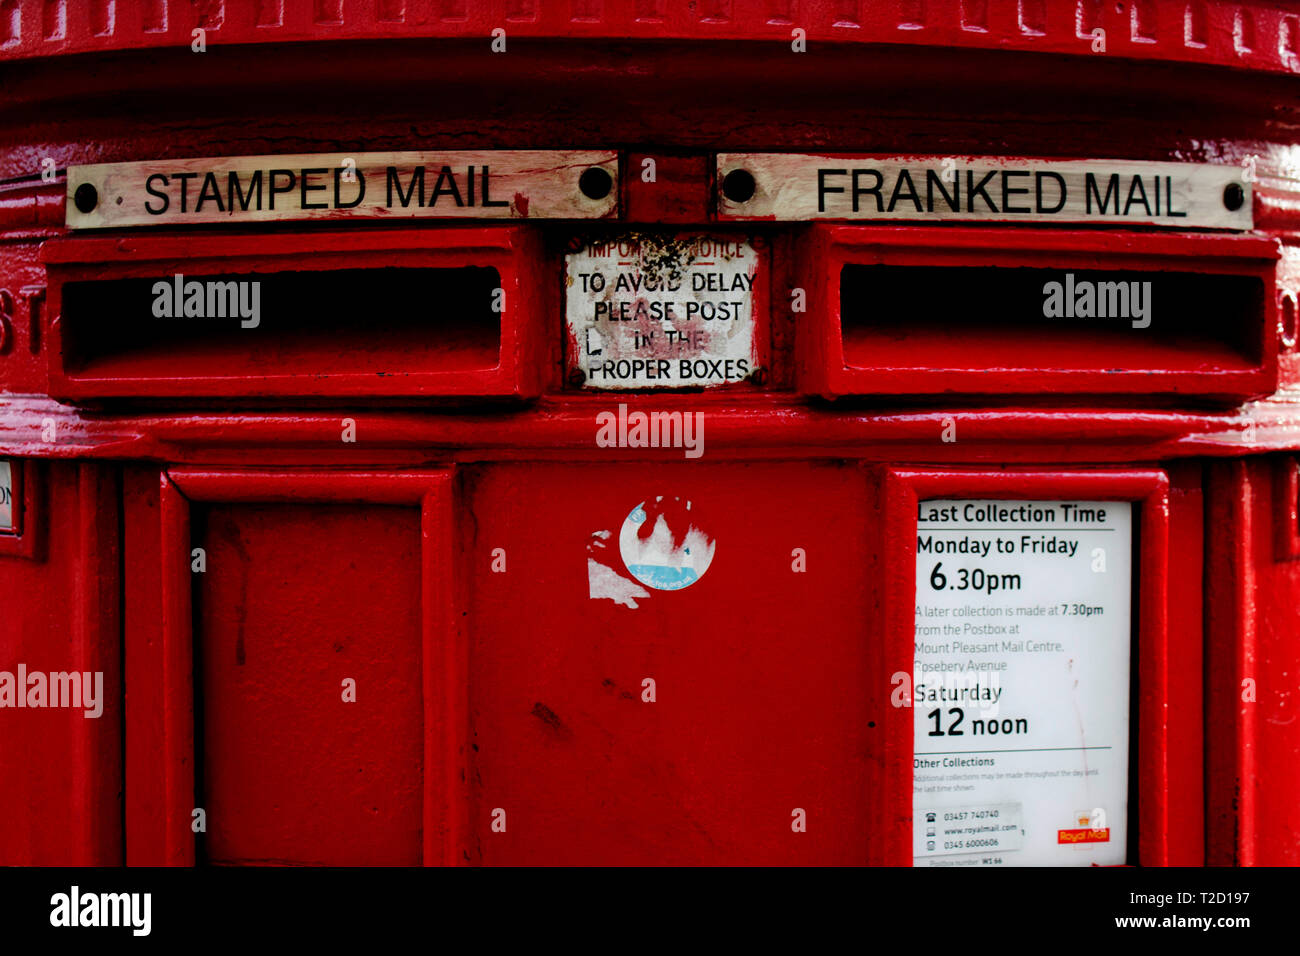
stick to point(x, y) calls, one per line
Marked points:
point(6, 497)
point(1021, 682)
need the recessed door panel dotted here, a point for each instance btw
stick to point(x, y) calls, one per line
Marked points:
point(296, 765)
point(756, 746)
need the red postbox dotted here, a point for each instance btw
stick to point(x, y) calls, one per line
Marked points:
point(718, 433)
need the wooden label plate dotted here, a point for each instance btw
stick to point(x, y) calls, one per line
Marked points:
point(792, 186)
point(459, 184)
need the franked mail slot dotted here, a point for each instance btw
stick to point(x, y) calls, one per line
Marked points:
point(387, 314)
point(933, 311)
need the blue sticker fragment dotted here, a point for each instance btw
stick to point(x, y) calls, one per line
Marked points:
point(662, 545)
point(664, 578)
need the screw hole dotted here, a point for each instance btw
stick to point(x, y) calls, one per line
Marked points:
point(1233, 196)
point(739, 186)
point(86, 198)
point(595, 183)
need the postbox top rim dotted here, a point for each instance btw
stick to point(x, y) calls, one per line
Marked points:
point(1161, 36)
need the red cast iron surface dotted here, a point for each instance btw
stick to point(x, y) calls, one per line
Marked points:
point(481, 690)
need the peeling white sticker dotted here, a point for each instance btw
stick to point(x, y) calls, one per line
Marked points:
point(603, 582)
point(663, 547)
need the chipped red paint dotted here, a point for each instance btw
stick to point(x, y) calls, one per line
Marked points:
point(481, 690)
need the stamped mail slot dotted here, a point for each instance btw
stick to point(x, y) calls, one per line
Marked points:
point(929, 311)
point(390, 313)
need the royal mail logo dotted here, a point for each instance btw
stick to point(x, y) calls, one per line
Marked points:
point(1085, 835)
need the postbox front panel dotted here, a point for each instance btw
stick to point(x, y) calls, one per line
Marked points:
point(634, 703)
point(532, 467)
